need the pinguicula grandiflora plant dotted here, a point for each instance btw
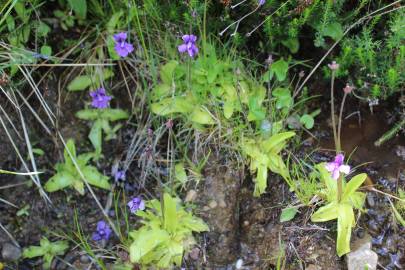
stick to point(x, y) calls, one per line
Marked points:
point(166, 234)
point(67, 173)
point(101, 115)
point(47, 249)
point(341, 195)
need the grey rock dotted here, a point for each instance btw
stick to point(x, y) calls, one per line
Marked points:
point(362, 257)
point(10, 252)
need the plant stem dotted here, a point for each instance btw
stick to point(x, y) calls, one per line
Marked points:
point(339, 188)
point(332, 112)
point(338, 146)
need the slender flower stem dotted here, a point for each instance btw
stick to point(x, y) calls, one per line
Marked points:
point(332, 112)
point(339, 188)
point(340, 122)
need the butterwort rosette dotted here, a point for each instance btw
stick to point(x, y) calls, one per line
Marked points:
point(336, 167)
point(189, 45)
point(100, 99)
point(122, 47)
point(136, 204)
point(103, 231)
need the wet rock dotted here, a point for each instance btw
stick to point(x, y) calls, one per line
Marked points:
point(84, 259)
point(194, 254)
point(362, 257)
point(191, 195)
point(370, 200)
point(10, 252)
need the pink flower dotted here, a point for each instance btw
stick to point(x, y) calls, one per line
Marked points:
point(348, 88)
point(336, 167)
point(333, 65)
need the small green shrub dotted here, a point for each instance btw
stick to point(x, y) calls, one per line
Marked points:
point(67, 174)
point(48, 250)
point(165, 235)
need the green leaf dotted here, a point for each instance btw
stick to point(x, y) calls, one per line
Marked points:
point(114, 114)
point(170, 213)
point(288, 214)
point(145, 242)
point(95, 178)
point(180, 173)
point(326, 213)
point(113, 22)
point(79, 83)
point(79, 7)
point(397, 215)
point(88, 114)
point(79, 186)
point(33, 251)
point(270, 145)
point(280, 68)
point(345, 223)
point(59, 181)
point(95, 136)
point(59, 247)
point(307, 120)
point(283, 97)
point(201, 116)
point(46, 50)
point(333, 30)
point(167, 71)
point(160, 91)
point(43, 29)
point(260, 181)
point(172, 105)
point(353, 185)
point(292, 44)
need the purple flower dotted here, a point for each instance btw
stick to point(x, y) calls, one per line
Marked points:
point(189, 45)
point(136, 204)
point(100, 99)
point(103, 231)
point(261, 2)
point(122, 48)
point(119, 175)
point(336, 167)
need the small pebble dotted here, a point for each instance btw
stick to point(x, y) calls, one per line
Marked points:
point(239, 264)
point(10, 252)
point(222, 203)
point(191, 195)
point(84, 259)
point(213, 204)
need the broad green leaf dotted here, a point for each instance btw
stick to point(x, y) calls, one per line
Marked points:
point(21, 11)
point(170, 213)
point(228, 109)
point(114, 114)
point(180, 173)
point(333, 30)
point(70, 146)
point(146, 242)
point(46, 50)
point(88, 114)
point(79, 83)
point(260, 181)
point(280, 68)
point(397, 215)
point(326, 213)
point(172, 105)
point(283, 97)
point(307, 120)
point(43, 29)
point(353, 185)
point(167, 71)
point(59, 181)
point(288, 214)
point(271, 143)
point(95, 178)
point(59, 247)
point(33, 251)
point(345, 223)
point(79, 186)
point(47, 261)
point(79, 7)
point(114, 20)
point(160, 91)
point(95, 136)
point(194, 224)
point(201, 116)
point(292, 44)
